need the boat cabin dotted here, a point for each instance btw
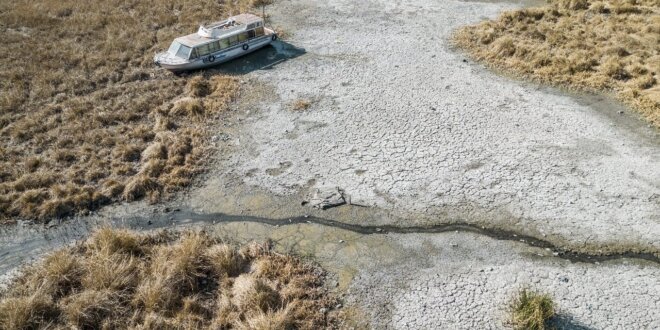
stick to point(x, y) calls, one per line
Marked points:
point(224, 35)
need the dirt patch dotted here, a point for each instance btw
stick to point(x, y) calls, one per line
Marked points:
point(85, 117)
point(119, 279)
point(595, 45)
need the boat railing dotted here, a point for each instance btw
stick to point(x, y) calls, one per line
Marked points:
point(216, 29)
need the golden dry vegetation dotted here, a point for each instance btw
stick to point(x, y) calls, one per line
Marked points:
point(85, 117)
point(532, 311)
point(118, 279)
point(611, 45)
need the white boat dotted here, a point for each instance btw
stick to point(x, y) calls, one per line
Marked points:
point(216, 43)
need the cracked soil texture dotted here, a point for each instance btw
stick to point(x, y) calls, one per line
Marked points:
point(401, 121)
point(468, 283)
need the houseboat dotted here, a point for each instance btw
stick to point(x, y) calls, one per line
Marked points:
point(216, 43)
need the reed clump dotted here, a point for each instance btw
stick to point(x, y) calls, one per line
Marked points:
point(607, 46)
point(81, 102)
point(118, 279)
point(532, 311)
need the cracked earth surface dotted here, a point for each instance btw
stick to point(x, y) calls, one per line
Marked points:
point(404, 125)
point(401, 122)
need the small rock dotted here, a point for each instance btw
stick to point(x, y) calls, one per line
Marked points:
point(323, 310)
point(563, 279)
point(338, 306)
point(341, 241)
point(149, 222)
point(378, 230)
point(464, 61)
point(326, 197)
point(620, 112)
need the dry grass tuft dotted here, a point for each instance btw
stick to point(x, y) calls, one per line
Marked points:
point(609, 45)
point(92, 112)
point(27, 312)
point(532, 311)
point(300, 105)
point(118, 279)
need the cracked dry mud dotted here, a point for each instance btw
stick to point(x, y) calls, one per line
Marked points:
point(405, 126)
point(402, 123)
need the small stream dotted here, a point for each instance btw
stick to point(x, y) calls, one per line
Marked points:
point(20, 244)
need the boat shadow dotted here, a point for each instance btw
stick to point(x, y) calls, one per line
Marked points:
point(263, 59)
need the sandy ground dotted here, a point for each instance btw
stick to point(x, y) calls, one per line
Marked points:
point(409, 129)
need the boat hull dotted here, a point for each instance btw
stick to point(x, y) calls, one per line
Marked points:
point(218, 57)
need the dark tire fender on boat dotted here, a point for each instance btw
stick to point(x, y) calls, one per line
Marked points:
point(246, 47)
point(274, 37)
point(211, 58)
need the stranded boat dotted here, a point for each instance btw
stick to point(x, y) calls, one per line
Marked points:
point(216, 43)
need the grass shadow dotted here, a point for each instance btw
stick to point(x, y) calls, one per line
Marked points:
point(567, 322)
point(262, 59)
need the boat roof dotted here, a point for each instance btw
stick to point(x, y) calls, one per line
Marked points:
point(232, 25)
point(193, 40)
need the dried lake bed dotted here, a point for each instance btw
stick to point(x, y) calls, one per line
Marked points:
point(419, 136)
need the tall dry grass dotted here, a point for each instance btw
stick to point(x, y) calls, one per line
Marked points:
point(118, 279)
point(610, 45)
point(85, 117)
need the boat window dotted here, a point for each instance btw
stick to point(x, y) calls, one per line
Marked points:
point(214, 47)
point(174, 47)
point(242, 37)
point(233, 40)
point(183, 52)
point(251, 34)
point(251, 26)
point(203, 50)
point(194, 54)
point(224, 43)
point(259, 31)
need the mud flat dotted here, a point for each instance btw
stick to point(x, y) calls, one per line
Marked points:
point(403, 123)
point(420, 138)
